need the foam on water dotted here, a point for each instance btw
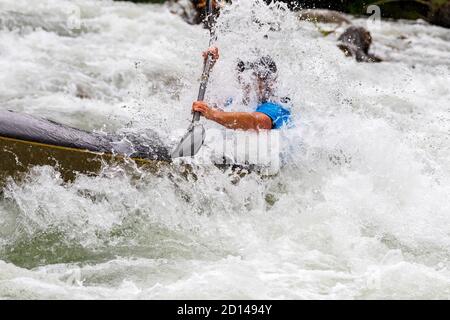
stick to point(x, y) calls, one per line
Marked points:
point(360, 210)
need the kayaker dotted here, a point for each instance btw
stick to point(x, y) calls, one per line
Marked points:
point(270, 112)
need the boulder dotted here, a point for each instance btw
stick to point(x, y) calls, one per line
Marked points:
point(322, 16)
point(186, 10)
point(192, 11)
point(355, 42)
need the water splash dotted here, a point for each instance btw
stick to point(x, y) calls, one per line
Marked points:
point(359, 211)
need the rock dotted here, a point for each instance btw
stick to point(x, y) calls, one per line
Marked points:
point(322, 16)
point(185, 9)
point(355, 42)
point(192, 11)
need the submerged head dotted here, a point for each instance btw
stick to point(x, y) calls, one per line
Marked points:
point(259, 75)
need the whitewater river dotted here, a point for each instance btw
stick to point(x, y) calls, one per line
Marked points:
point(360, 210)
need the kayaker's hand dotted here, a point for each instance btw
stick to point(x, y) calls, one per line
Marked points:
point(214, 51)
point(204, 109)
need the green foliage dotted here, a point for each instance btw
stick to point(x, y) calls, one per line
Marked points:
point(397, 9)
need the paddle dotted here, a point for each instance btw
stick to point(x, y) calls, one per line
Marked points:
point(193, 140)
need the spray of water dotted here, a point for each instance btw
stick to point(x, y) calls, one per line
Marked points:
point(359, 210)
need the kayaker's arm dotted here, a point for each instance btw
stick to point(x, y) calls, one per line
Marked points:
point(243, 120)
point(234, 120)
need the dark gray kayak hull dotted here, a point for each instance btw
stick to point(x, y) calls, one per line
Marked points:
point(27, 141)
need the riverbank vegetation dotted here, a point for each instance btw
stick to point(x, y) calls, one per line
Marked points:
point(434, 11)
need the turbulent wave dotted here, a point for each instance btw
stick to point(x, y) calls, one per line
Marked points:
point(359, 210)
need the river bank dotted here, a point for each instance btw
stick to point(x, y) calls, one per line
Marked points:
point(434, 11)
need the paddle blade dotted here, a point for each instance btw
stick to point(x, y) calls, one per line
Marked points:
point(191, 143)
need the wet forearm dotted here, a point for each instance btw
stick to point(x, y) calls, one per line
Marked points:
point(239, 120)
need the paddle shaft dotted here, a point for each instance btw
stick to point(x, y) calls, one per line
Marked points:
point(208, 61)
point(193, 140)
point(203, 84)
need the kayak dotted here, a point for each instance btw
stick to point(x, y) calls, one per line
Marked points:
point(27, 141)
